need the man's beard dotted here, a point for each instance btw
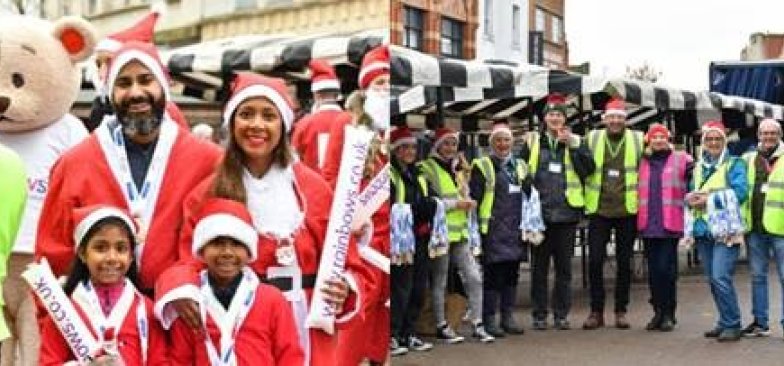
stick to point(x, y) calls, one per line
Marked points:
point(144, 123)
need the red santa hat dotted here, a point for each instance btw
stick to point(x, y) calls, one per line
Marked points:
point(555, 102)
point(86, 217)
point(147, 55)
point(654, 129)
point(323, 76)
point(615, 107)
point(250, 85)
point(500, 128)
point(223, 217)
point(442, 134)
point(374, 64)
point(142, 31)
point(401, 136)
point(713, 126)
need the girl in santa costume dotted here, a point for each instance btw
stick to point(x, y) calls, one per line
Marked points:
point(289, 205)
point(103, 288)
point(246, 322)
point(369, 107)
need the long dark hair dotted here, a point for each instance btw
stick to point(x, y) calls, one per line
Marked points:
point(79, 271)
point(228, 180)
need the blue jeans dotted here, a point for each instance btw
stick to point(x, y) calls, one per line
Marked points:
point(718, 260)
point(761, 246)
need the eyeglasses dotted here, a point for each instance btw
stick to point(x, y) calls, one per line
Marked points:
point(714, 139)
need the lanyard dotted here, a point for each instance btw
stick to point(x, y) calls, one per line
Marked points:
point(140, 200)
point(87, 298)
point(227, 356)
point(614, 151)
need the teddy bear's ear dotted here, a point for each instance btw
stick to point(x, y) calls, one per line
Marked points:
point(77, 36)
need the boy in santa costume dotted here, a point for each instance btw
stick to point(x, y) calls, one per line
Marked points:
point(311, 134)
point(103, 288)
point(289, 205)
point(246, 322)
point(139, 159)
point(142, 31)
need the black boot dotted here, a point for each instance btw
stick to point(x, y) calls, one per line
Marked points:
point(667, 324)
point(656, 321)
point(509, 325)
point(491, 326)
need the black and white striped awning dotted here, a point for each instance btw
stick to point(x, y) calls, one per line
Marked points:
point(199, 67)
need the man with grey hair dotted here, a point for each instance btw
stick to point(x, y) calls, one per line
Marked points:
point(763, 217)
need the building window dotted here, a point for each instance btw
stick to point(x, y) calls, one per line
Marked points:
point(516, 33)
point(555, 30)
point(244, 4)
point(92, 7)
point(488, 19)
point(540, 18)
point(413, 28)
point(451, 38)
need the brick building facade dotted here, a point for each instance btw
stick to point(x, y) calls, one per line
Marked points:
point(446, 27)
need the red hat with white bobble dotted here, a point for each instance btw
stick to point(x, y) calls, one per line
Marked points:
point(713, 126)
point(443, 134)
point(86, 217)
point(221, 217)
point(323, 76)
point(142, 31)
point(401, 136)
point(615, 107)
point(250, 85)
point(374, 64)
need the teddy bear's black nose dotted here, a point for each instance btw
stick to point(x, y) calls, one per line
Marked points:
point(4, 102)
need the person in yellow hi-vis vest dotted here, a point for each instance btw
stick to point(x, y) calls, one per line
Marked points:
point(498, 182)
point(715, 174)
point(443, 172)
point(611, 204)
point(13, 195)
point(763, 217)
point(409, 242)
point(559, 161)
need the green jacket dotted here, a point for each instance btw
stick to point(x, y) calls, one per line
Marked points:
point(13, 195)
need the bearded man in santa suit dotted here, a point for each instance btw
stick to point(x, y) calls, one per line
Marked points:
point(311, 134)
point(138, 159)
point(369, 107)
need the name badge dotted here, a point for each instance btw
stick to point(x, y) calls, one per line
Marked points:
point(613, 173)
point(555, 168)
point(514, 188)
point(764, 188)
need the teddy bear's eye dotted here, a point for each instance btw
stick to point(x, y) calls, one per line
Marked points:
point(17, 79)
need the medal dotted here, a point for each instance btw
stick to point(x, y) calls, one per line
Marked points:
point(285, 253)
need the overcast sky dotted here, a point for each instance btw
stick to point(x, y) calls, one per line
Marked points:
point(678, 37)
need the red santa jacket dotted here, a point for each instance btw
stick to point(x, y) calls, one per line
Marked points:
point(82, 177)
point(316, 199)
point(268, 335)
point(55, 351)
point(307, 139)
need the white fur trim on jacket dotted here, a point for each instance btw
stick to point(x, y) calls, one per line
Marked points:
point(167, 314)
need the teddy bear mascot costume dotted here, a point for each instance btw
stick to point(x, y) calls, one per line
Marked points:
point(39, 81)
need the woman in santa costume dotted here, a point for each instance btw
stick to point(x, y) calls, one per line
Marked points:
point(246, 322)
point(370, 109)
point(138, 159)
point(289, 205)
point(103, 289)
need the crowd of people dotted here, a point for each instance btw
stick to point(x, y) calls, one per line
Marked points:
point(524, 203)
point(174, 250)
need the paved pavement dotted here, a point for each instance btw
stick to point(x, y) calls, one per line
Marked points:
point(636, 346)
